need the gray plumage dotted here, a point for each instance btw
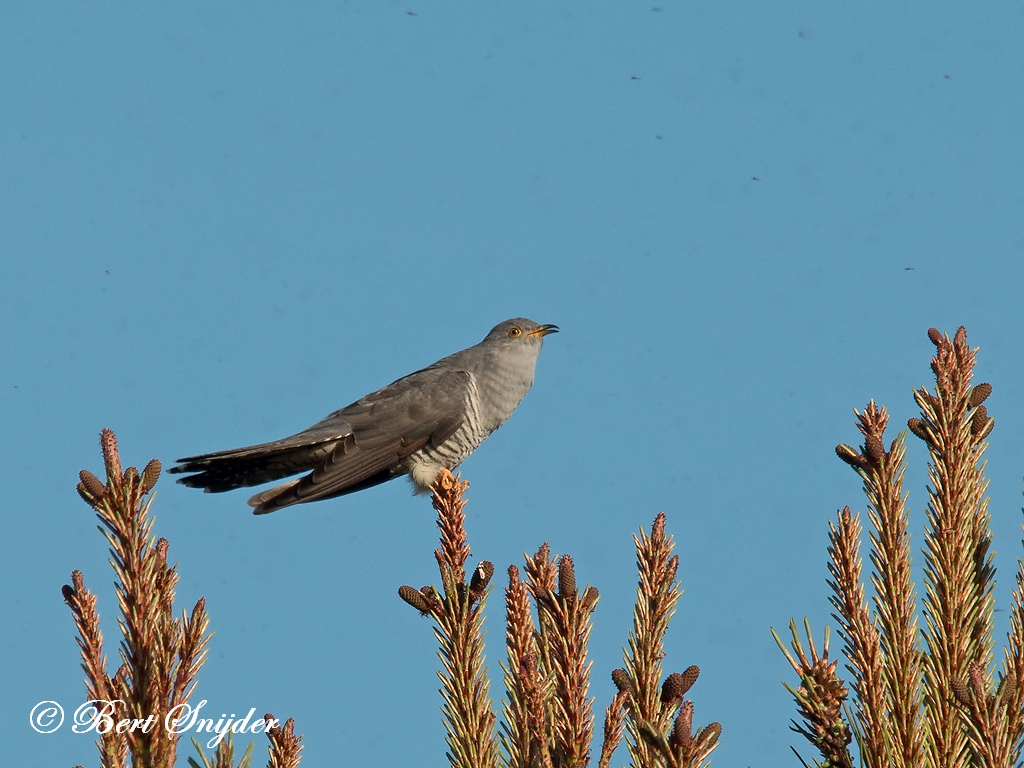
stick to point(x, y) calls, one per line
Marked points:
point(424, 422)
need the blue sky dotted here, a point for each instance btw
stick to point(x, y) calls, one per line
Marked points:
point(220, 223)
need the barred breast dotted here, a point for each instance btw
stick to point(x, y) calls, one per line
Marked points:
point(426, 464)
point(498, 383)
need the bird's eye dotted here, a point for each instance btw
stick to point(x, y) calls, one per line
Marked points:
point(515, 331)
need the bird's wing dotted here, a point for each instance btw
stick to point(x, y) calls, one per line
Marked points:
point(364, 440)
point(387, 426)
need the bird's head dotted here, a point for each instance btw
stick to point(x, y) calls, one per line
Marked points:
point(520, 332)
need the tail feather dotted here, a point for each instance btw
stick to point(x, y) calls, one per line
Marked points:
point(262, 499)
point(266, 462)
point(284, 495)
point(245, 467)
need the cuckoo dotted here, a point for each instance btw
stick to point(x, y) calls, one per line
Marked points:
point(418, 425)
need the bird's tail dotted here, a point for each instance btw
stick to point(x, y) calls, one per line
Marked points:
point(245, 467)
point(274, 498)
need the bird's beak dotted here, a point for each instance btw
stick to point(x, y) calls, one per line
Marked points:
point(544, 330)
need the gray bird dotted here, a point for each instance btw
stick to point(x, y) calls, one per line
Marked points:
point(425, 422)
